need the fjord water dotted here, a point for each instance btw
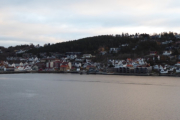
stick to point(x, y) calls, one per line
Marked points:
point(88, 97)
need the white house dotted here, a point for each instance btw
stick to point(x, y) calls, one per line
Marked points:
point(27, 68)
point(118, 64)
point(77, 64)
point(50, 64)
point(141, 61)
point(8, 68)
point(87, 55)
point(86, 64)
point(21, 64)
point(124, 45)
point(158, 67)
point(71, 57)
point(177, 36)
point(113, 50)
point(22, 59)
point(167, 52)
point(78, 60)
point(103, 52)
point(25, 63)
point(35, 67)
point(20, 51)
point(177, 70)
point(167, 42)
point(177, 64)
point(88, 60)
point(19, 68)
point(31, 59)
point(14, 65)
point(36, 59)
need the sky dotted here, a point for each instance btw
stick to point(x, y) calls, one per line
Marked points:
point(53, 21)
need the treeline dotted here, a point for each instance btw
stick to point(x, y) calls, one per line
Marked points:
point(142, 44)
point(86, 45)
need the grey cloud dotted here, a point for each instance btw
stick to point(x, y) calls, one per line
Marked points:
point(23, 40)
point(58, 20)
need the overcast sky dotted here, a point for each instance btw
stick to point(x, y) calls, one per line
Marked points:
point(52, 21)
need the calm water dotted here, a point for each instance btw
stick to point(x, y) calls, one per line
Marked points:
point(88, 97)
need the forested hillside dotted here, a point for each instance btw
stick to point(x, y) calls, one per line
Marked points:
point(92, 44)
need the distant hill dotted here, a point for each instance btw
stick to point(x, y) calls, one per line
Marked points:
point(92, 44)
point(87, 45)
point(133, 45)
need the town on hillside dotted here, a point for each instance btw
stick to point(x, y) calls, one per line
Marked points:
point(140, 54)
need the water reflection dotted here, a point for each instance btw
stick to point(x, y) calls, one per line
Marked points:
point(88, 97)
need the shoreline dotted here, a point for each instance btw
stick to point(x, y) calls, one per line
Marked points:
point(94, 73)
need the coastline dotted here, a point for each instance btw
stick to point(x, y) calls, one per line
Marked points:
point(95, 73)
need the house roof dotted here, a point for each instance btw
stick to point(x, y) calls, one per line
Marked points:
point(58, 62)
point(64, 66)
point(90, 66)
point(129, 65)
point(65, 62)
point(9, 67)
point(129, 59)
